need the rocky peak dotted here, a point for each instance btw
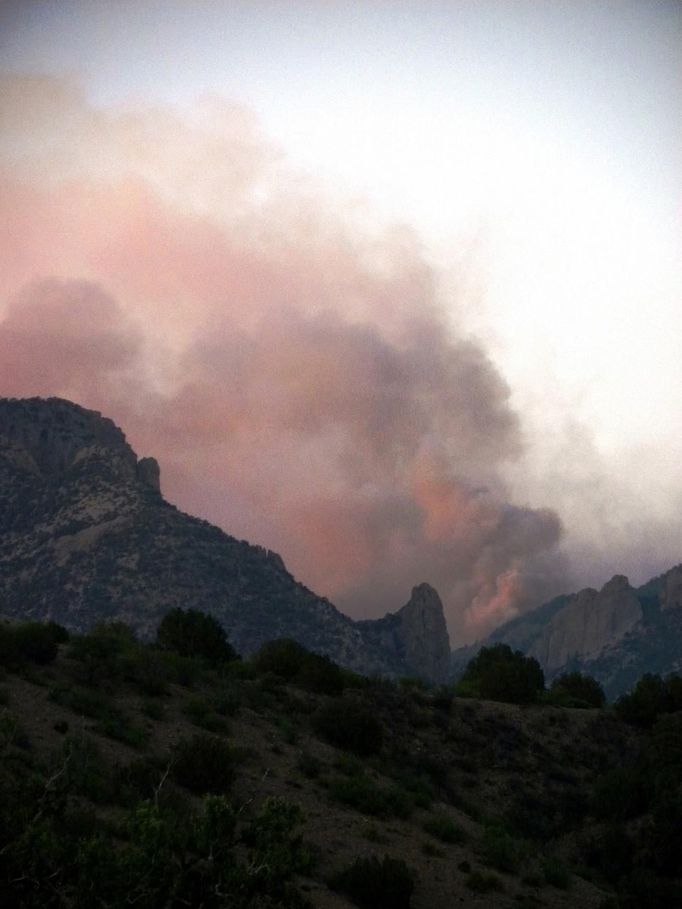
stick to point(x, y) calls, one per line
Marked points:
point(417, 636)
point(49, 436)
point(82, 540)
point(671, 595)
point(424, 634)
point(590, 622)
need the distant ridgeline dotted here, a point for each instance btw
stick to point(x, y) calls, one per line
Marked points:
point(615, 634)
point(86, 536)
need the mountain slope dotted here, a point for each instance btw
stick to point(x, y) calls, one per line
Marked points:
point(86, 536)
point(615, 634)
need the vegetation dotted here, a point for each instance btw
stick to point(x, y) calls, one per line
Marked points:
point(123, 782)
point(574, 689)
point(498, 673)
point(192, 633)
point(374, 883)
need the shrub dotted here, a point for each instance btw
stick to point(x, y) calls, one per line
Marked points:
point(555, 874)
point(272, 836)
point(368, 797)
point(377, 884)
point(320, 674)
point(445, 829)
point(501, 850)
point(192, 633)
point(645, 702)
point(204, 764)
point(32, 642)
point(499, 673)
point(284, 657)
point(573, 689)
point(290, 660)
point(349, 724)
point(98, 652)
point(483, 882)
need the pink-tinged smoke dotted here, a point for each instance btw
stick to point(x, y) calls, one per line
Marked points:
point(291, 367)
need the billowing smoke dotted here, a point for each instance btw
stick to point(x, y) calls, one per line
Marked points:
point(289, 363)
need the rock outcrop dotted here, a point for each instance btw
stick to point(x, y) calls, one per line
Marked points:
point(588, 624)
point(671, 594)
point(86, 536)
point(416, 634)
point(616, 634)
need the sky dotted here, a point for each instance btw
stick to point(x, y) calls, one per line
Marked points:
point(393, 288)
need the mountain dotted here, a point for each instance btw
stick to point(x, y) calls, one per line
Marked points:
point(86, 536)
point(615, 634)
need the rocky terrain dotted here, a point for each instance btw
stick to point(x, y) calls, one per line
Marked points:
point(616, 634)
point(86, 536)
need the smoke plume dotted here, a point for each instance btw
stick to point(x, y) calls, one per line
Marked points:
point(287, 360)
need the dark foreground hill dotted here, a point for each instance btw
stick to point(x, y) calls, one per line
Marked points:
point(86, 536)
point(616, 634)
point(131, 775)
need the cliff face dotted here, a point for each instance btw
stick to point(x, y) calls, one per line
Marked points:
point(416, 634)
point(588, 624)
point(616, 634)
point(86, 536)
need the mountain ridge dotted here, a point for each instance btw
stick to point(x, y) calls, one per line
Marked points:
point(617, 633)
point(86, 536)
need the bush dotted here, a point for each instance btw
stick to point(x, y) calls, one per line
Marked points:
point(445, 829)
point(290, 660)
point(501, 850)
point(204, 764)
point(644, 703)
point(284, 657)
point(483, 882)
point(499, 673)
point(98, 652)
point(192, 633)
point(363, 794)
point(349, 723)
point(376, 884)
point(573, 689)
point(32, 642)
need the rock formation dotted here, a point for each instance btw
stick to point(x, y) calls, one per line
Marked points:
point(588, 624)
point(86, 536)
point(616, 634)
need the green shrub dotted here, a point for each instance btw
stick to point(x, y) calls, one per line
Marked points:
point(204, 764)
point(376, 884)
point(499, 673)
point(501, 850)
point(350, 724)
point(555, 873)
point(284, 657)
point(309, 765)
point(650, 697)
point(32, 642)
point(274, 841)
point(365, 795)
point(484, 882)
point(320, 674)
point(97, 653)
point(445, 829)
point(287, 659)
point(574, 689)
point(192, 633)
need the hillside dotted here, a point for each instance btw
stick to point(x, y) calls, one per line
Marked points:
point(125, 769)
point(86, 536)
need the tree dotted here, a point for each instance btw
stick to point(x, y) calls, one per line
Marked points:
point(193, 633)
point(499, 673)
point(573, 689)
